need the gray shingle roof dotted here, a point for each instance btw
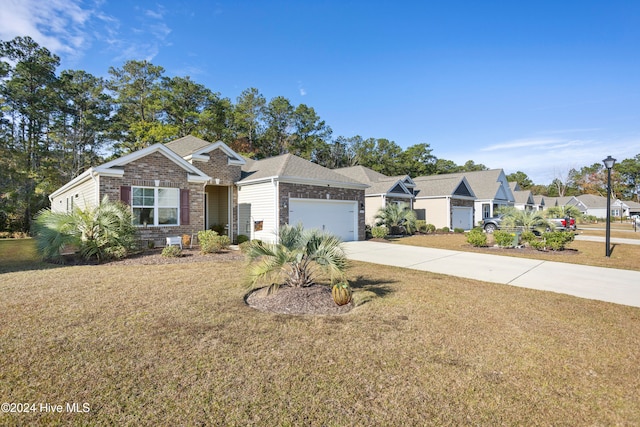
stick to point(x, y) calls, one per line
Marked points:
point(293, 167)
point(186, 145)
point(437, 185)
point(484, 184)
point(592, 201)
point(378, 183)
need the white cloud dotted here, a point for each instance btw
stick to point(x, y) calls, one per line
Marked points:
point(58, 25)
point(543, 159)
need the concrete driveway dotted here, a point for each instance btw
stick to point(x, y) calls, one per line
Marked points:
point(604, 284)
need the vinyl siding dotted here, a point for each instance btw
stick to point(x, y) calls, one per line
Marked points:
point(82, 195)
point(257, 203)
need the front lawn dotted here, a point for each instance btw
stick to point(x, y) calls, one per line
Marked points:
point(176, 345)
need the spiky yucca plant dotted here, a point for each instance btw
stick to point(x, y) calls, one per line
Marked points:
point(296, 257)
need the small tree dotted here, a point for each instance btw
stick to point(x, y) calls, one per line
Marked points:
point(397, 216)
point(295, 257)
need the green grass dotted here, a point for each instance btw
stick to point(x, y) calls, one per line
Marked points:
point(176, 345)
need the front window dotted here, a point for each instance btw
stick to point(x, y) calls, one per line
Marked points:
point(486, 211)
point(155, 206)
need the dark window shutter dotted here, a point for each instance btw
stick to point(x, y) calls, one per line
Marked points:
point(125, 194)
point(184, 207)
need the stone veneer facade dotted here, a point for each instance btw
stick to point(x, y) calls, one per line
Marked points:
point(288, 190)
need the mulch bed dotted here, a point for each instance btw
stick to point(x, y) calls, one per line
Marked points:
point(314, 299)
point(154, 257)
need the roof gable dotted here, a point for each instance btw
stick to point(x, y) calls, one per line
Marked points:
point(116, 166)
point(443, 186)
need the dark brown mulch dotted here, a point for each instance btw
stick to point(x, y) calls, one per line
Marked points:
point(314, 299)
point(154, 257)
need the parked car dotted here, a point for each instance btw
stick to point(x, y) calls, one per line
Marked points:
point(492, 224)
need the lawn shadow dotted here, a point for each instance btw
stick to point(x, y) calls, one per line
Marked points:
point(367, 289)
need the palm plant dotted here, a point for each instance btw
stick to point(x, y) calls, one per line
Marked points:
point(394, 216)
point(297, 257)
point(105, 231)
point(525, 219)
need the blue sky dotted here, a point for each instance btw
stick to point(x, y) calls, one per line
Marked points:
point(540, 86)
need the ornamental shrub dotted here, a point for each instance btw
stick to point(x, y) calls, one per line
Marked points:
point(528, 237)
point(431, 228)
point(172, 251)
point(421, 225)
point(554, 240)
point(477, 238)
point(242, 238)
point(504, 239)
point(379, 232)
point(211, 242)
point(458, 230)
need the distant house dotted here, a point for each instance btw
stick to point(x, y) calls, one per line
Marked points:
point(190, 184)
point(523, 199)
point(445, 201)
point(490, 188)
point(597, 206)
point(381, 190)
point(551, 202)
point(540, 202)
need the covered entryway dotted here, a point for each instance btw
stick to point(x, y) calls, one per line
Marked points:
point(339, 217)
point(218, 209)
point(462, 217)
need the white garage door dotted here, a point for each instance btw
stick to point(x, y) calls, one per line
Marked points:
point(338, 217)
point(462, 217)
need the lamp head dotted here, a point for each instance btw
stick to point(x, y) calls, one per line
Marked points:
point(609, 162)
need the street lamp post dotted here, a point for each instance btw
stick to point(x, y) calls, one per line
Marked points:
point(608, 163)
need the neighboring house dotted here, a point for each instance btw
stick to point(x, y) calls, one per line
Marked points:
point(597, 206)
point(634, 208)
point(287, 189)
point(189, 185)
point(551, 202)
point(540, 202)
point(382, 189)
point(491, 191)
point(523, 199)
point(445, 201)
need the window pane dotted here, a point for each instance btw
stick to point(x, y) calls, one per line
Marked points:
point(167, 216)
point(143, 196)
point(168, 197)
point(143, 216)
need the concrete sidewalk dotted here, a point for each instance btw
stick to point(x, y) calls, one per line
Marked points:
point(604, 284)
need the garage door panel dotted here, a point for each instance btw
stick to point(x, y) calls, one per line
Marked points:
point(462, 217)
point(335, 216)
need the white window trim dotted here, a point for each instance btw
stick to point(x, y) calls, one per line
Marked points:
point(156, 216)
